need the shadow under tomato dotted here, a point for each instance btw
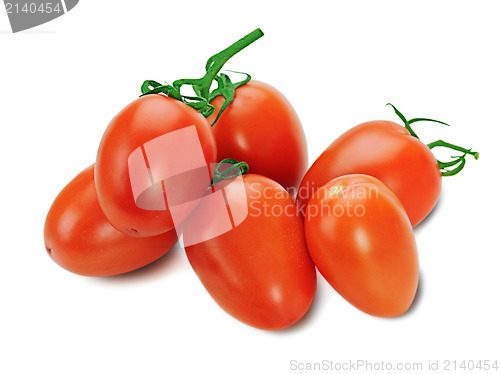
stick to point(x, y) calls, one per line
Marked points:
point(322, 290)
point(170, 262)
point(416, 300)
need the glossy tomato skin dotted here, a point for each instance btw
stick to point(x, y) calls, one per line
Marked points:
point(361, 241)
point(388, 152)
point(261, 128)
point(79, 238)
point(260, 271)
point(143, 120)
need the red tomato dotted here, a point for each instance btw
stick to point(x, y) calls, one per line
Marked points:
point(142, 124)
point(362, 242)
point(261, 128)
point(387, 151)
point(259, 271)
point(79, 238)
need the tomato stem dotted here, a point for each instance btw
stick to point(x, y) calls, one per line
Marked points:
point(458, 162)
point(236, 169)
point(201, 86)
point(216, 62)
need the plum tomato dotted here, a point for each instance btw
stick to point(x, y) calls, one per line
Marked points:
point(79, 238)
point(258, 271)
point(261, 128)
point(386, 151)
point(362, 242)
point(154, 153)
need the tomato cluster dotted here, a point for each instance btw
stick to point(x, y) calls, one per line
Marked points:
point(166, 168)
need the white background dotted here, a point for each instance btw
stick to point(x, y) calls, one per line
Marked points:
point(339, 63)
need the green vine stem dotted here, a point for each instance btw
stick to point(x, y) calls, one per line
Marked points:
point(459, 161)
point(237, 169)
point(216, 62)
point(201, 86)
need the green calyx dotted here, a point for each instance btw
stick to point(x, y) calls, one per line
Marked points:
point(236, 169)
point(227, 89)
point(201, 86)
point(458, 162)
point(196, 102)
